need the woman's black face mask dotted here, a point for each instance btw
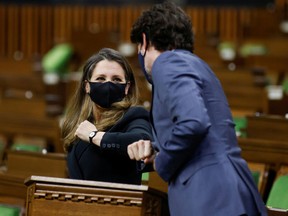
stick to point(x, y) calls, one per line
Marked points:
point(106, 93)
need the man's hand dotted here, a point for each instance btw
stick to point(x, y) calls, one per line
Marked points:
point(141, 150)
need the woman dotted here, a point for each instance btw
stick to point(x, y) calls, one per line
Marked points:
point(102, 120)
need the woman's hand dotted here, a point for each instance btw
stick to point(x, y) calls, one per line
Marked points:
point(84, 129)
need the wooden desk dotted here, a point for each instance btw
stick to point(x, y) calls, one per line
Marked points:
point(264, 151)
point(24, 164)
point(12, 190)
point(267, 127)
point(41, 127)
point(60, 196)
point(12, 186)
point(277, 212)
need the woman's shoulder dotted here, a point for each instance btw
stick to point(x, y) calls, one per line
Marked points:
point(136, 112)
point(133, 114)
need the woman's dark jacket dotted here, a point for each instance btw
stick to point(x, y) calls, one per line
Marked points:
point(110, 162)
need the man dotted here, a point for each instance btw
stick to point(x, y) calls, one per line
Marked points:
point(195, 144)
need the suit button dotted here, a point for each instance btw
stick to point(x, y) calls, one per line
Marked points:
point(117, 146)
point(108, 145)
point(104, 145)
point(113, 145)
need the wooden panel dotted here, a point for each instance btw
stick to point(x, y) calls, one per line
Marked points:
point(30, 108)
point(12, 186)
point(48, 128)
point(268, 127)
point(283, 170)
point(69, 197)
point(30, 30)
point(24, 164)
point(242, 91)
point(277, 212)
point(262, 169)
point(3, 31)
point(264, 151)
point(10, 66)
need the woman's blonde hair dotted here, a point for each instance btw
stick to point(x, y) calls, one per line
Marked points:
point(80, 106)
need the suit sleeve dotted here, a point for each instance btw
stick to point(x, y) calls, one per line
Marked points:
point(118, 141)
point(179, 89)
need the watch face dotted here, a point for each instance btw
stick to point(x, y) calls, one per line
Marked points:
point(92, 134)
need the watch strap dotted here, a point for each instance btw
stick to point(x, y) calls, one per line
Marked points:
point(91, 137)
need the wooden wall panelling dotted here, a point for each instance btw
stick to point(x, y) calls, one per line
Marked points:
point(98, 19)
point(127, 16)
point(27, 23)
point(25, 31)
point(125, 20)
point(244, 19)
point(12, 30)
point(33, 30)
point(264, 22)
point(228, 24)
point(212, 16)
point(93, 19)
point(111, 18)
point(46, 29)
point(3, 26)
point(58, 25)
point(197, 16)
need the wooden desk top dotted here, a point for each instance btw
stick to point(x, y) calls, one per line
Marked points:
point(85, 183)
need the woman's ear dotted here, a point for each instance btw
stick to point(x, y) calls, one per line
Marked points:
point(127, 88)
point(87, 87)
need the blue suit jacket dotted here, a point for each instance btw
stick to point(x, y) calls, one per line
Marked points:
point(194, 133)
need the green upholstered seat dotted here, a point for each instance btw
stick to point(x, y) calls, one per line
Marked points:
point(26, 147)
point(240, 126)
point(6, 210)
point(145, 176)
point(278, 196)
point(256, 176)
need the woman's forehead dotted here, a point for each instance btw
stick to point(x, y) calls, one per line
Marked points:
point(110, 68)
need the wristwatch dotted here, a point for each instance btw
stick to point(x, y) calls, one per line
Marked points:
point(92, 135)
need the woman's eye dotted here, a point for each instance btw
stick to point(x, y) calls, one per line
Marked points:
point(117, 80)
point(100, 79)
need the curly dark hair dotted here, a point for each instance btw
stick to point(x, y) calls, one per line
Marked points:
point(166, 26)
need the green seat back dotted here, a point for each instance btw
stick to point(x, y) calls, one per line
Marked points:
point(145, 176)
point(240, 125)
point(56, 60)
point(256, 176)
point(26, 147)
point(9, 211)
point(278, 196)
